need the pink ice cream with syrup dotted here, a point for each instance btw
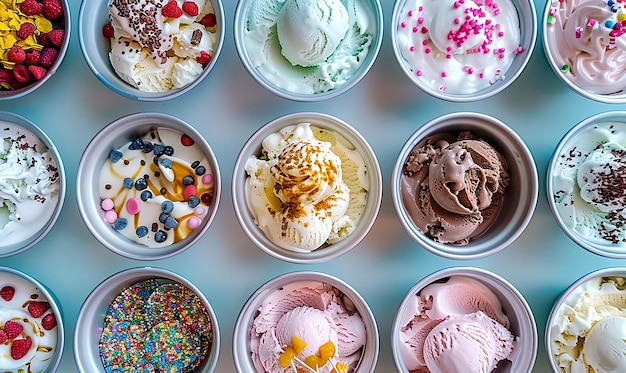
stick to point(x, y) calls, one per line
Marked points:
point(304, 326)
point(455, 326)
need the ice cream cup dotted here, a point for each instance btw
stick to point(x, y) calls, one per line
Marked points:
point(241, 334)
point(10, 246)
point(566, 299)
point(113, 136)
point(514, 306)
point(281, 80)
point(500, 79)
point(91, 317)
point(581, 138)
point(51, 339)
point(62, 22)
point(597, 41)
point(253, 147)
point(520, 196)
point(95, 47)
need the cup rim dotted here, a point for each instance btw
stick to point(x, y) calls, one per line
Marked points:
point(240, 350)
point(512, 75)
point(138, 122)
point(55, 305)
point(482, 249)
point(368, 216)
point(606, 250)
point(28, 125)
point(372, 55)
point(18, 93)
point(487, 278)
point(118, 85)
point(121, 280)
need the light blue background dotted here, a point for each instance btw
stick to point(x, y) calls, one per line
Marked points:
point(227, 107)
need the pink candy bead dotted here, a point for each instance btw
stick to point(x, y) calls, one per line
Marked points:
point(110, 216)
point(133, 206)
point(193, 222)
point(207, 179)
point(107, 204)
point(200, 210)
point(190, 190)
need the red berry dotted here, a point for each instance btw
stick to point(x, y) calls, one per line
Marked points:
point(108, 31)
point(26, 30)
point(44, 40)
point(13, 329)
point(56, 36)
point(32, 58)
point(203, 58)
point(36, 309)
point(52, 9)
point(172, 10)
point(16, 54)
point(190, 8)
point(6, 292)
point(21, 73)
point(3, 336)
point(31, 7)
point(48, 56)
point(186, 140)
point(209, 20)
point(49, 321)
point(20, 348)
point(38, 72)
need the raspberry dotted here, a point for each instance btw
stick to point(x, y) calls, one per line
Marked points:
point(21, 73)
point(3, 336)
point(36, 309)
point(203, 58)
point(38, 72)
point(56, 37)
point(16, 54)
point(48, 56)
point(32, 58)
point(26, 30)
point(7, 292)
point(52, 9)
point(49, 321)
point(31, 7)
point(209, 20)
point(13, 329)
point(44, 40)
point(20, 348)
point(108, 31)
point(190, 8)
point(172, 10)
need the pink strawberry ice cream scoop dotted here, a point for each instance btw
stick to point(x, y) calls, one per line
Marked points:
point(307, 327)
point(456, 326)
point(453, 186)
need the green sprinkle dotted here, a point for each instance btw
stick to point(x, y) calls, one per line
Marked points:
point(565, 68)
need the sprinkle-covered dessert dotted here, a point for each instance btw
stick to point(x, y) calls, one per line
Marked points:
point(155, 326)
point(28, 326)
point(29, 184)
point(156, 189)
point(458, 46)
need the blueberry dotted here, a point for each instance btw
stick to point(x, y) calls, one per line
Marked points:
point(146, 195)
point(168, 150)
point(163, 217)
point(170, 223)
point(160, 236)
point(141, 231)
point(200, 171)
point(167, 206)
point(136, 144)
point(158, 149)
point(147, 147)
point(195, 164)
point(120, 223)
point(167, 163)
point(141, 184)
point(188, 180)
point(115, 155)
point(193, 201)
point(128, 183)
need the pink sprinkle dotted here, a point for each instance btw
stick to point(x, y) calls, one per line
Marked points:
point(500, 34)
point(554, 10)
point(448, 56)
point(424, 30)
point(107, 204)
point(468, 69)
point(412, 48)
point(420, 20)
point(415, 29)
point(427, 50)
point(456, 5)
point(420, 8)
point(193, 222)
point(189, 191)
point(403, 24)
point(418, 73)
point(443, 74)
point(110, 216)
point(207, 179)
point(501, 56)
point(592, 22)
point(496, 12)
point(410, 13)
point(425, 42)
point(481, 75)
point(133, 206)
point(457, 21)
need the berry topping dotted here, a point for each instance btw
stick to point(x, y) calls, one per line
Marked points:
point(49, 321)
point(33, 57)
point(5, 75)
point(208, 20)
point(107, 31)
point(38, 308)
point(172, 10)
point(37, 72)
point(7, 293)
point(21, 73)
point(31, 7)
point(56, 37)
point(115, 156)
point(142, 230)
point(48, 56)
point(3, 336)
point(20, 348)
point(52, 9)
point(120, 224)
point(186, 140)
point(16, 54)
point(203, 58)
point(190, 8)
point(26, 30)
point(13, 329)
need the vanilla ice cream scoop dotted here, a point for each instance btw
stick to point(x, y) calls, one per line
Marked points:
point(605, 345)
point(309, 31)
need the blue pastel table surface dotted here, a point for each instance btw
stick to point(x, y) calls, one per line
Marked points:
point(227, 108)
